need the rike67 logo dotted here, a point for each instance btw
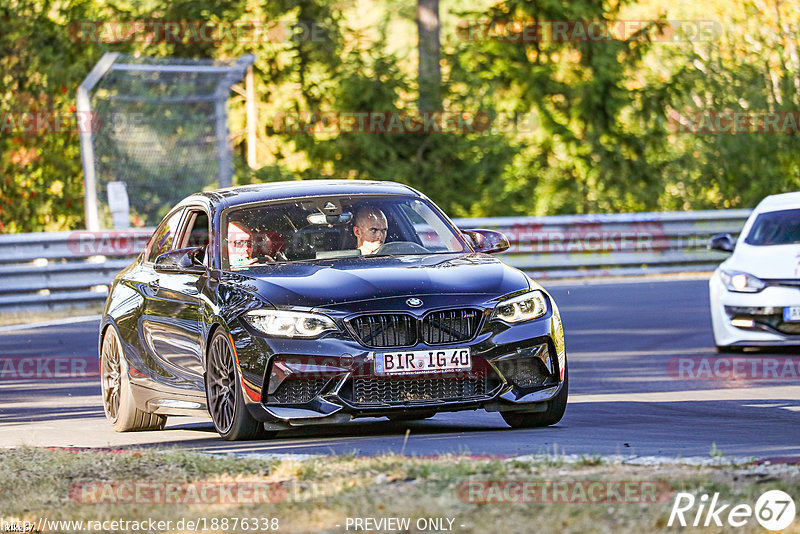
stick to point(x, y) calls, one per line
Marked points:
point(774, 510)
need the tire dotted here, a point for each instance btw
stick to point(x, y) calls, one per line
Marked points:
point(555, 410)
point(224, 393)
point(115, 386)
point(728, 349)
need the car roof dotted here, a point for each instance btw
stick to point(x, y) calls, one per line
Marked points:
point(231, 196)
point(779, 202)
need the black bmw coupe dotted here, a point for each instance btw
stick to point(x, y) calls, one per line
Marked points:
point(284, 304)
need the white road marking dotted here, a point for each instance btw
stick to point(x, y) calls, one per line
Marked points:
point(54, 322)
point(722, 394)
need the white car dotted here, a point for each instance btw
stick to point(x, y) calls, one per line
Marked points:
point(755, 293)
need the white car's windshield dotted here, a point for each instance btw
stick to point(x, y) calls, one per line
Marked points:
point(334, 227)
point(775, 228)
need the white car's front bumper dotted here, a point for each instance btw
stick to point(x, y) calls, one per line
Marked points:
point(765, 331)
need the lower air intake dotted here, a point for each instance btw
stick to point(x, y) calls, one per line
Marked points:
point(298, 391)
point(382, 391)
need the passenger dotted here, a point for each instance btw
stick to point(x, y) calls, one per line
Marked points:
point(370, 230)
point(240, 245)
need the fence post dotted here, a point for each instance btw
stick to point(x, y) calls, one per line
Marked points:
point(84, 108)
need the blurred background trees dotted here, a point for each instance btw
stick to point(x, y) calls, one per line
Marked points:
point(579, 126)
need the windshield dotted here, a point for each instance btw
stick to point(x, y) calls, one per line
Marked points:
point(324, 228)
point(775, 228)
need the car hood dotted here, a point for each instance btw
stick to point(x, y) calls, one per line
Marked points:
point(332, 282)
point(777, 261)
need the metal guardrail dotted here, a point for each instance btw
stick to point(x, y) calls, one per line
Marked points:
point(619, 244)
point(57, 269)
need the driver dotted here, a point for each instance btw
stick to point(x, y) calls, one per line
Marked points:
point(370, 230)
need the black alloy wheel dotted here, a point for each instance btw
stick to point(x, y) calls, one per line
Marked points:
point(224, 393)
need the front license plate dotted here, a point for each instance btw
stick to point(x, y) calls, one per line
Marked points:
point(422, 361)
point(791, 313)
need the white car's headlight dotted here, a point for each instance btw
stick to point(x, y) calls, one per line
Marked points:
point(740, 282)
point(525, 307)
point(282, 323)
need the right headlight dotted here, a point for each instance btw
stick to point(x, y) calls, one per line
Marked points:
point(284, 323)
point(740, 282)
point(526, 307)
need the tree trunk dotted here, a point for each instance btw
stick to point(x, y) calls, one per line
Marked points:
point(430, 77)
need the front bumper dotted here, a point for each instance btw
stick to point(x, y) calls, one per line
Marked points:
point(290, 382)
point(753, 319)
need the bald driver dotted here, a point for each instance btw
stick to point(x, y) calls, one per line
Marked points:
point(370, 230)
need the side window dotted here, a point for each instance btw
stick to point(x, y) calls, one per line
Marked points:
point(426, 233)
point(197, 234)
point(161, 241)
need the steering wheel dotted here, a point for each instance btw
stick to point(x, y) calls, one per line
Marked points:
point(401, 247)
point(264, 258)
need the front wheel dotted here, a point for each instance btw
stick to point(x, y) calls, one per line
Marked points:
point(224, 393)
point(555, 410)
point(115, 385)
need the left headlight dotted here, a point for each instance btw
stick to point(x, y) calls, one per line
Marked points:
point(740, 282)
point(531, 305)
point(282, 323)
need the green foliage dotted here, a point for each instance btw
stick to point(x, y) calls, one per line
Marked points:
point(579, 126)
point(751, 66)
point(40, 185)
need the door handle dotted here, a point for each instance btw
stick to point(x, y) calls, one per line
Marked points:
point(153, 284)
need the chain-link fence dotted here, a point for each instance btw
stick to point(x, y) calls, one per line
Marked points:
point(159, 128)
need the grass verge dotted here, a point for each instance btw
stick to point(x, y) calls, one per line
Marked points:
point(321, 493)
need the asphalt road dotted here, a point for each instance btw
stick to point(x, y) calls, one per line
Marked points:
point(636, 350)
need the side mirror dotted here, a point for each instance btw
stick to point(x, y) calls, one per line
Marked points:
point(487, 241)
point(184, 260)
point(722, 242)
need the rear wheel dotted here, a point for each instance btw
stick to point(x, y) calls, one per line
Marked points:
point(118, 403)
point(224, 391)
point(555, 410)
